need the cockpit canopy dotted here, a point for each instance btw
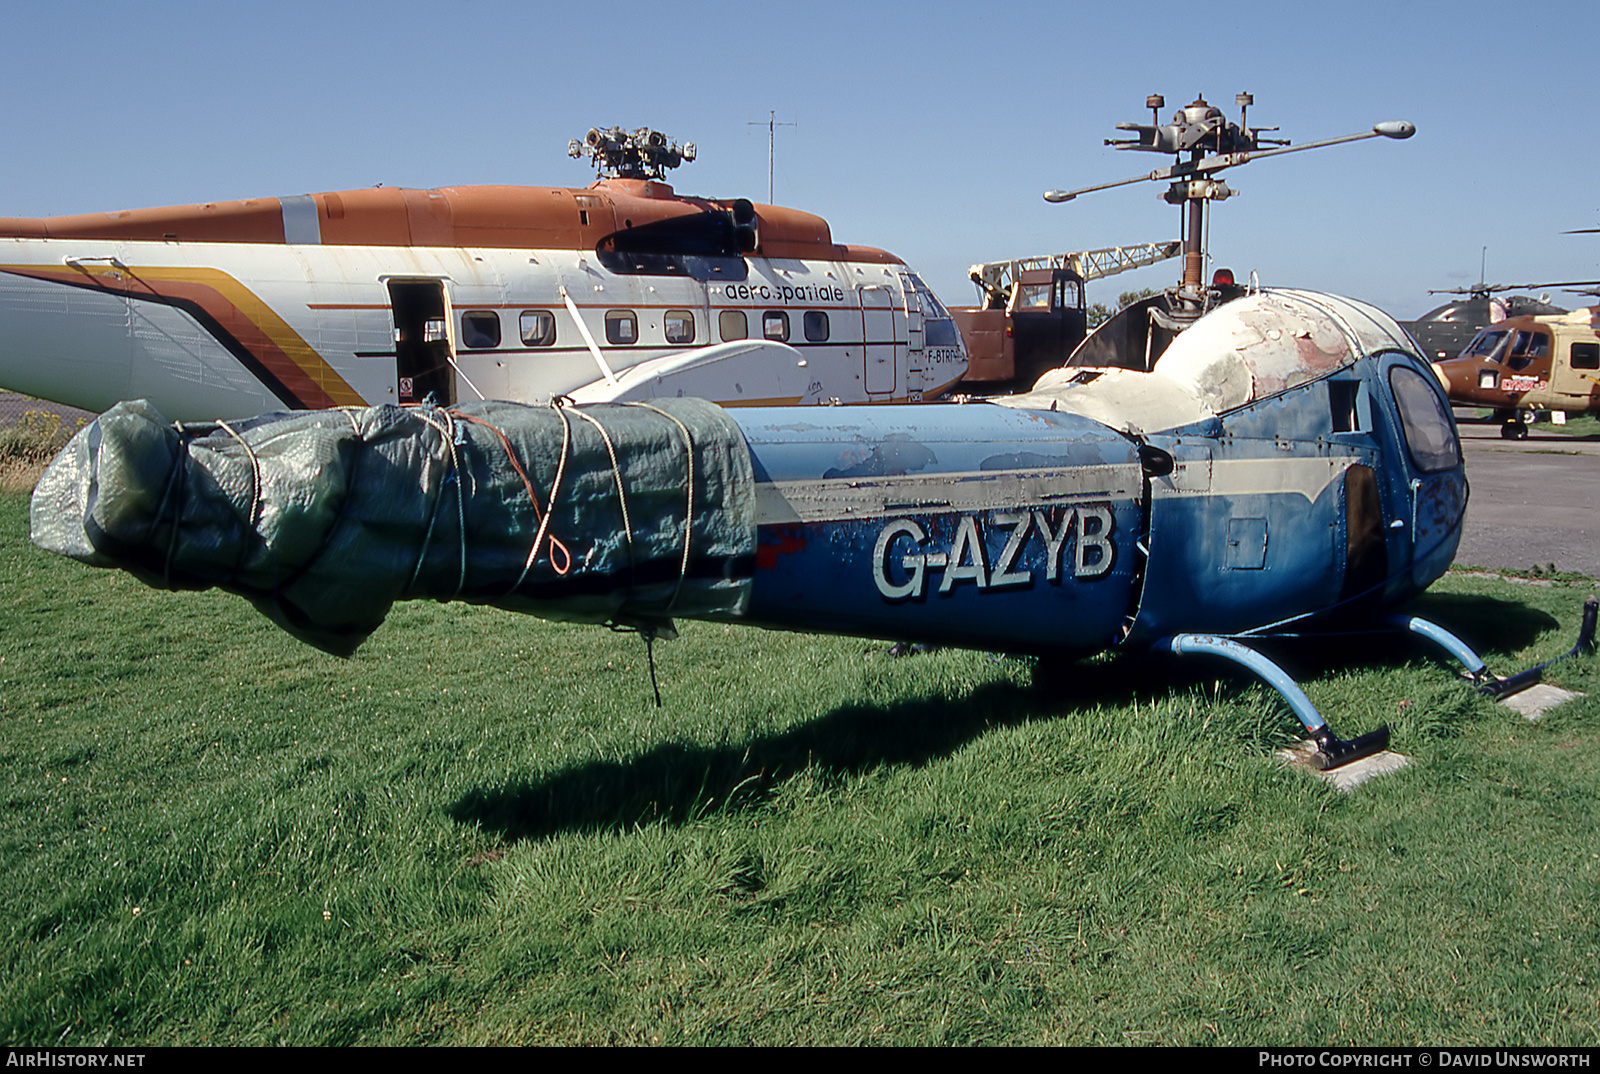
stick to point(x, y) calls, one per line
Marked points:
point(1244, 350)
point(1512, 346)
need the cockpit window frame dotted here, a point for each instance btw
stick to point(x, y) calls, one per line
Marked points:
point(1493, 341)
point(1425, 422)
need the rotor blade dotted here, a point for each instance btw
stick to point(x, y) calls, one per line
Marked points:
point(1068, 195)
point(1394, 128)
point(1493, 287)
point(1560, 283)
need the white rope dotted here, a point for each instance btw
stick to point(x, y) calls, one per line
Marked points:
point(255, 473)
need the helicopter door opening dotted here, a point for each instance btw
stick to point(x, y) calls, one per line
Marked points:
point(1423, 522)
point(422, 347)
point(1366, 553)
point(878, 338)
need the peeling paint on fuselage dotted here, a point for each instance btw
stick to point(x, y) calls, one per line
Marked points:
point(1032, 530)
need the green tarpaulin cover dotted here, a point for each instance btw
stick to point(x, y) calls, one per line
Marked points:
point(627, 514)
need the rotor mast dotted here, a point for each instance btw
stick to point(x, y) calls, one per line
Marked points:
point(1212, 143)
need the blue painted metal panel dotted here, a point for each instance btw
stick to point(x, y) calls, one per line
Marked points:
point(946, 524)
point(1440, 503)
point(1194, 581)
point(791, 443)
point(1027, 529)
point(1282, 460)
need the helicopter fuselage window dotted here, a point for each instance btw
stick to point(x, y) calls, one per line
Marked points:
point(1528, 346)
point(1429, 435)
point(1485, 344)
point(816, 326)
point(732, 324)
point(480, 329)
point(622, 327)
point(775, 325)
point(679, 326)
point(1586, 356)
point(938, 328)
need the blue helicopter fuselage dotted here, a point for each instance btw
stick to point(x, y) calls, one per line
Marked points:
point(1287, 460)
point(1337, 486)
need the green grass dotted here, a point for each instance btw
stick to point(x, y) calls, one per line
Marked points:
point(480, 830)
point(1586, 426)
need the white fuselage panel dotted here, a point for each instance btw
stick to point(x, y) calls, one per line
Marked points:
point(219, 330)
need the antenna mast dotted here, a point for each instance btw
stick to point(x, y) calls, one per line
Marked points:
point(772, 126)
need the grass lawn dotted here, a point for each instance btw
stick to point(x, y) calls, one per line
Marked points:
point(480, 830)
point(1586, 426)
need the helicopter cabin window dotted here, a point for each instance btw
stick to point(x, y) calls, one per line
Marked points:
point(480, 329)
point(1586, 356)
point(940, 333)
point(938, 330)
point(1343, 397)
point(731, 324)
point(815, 326)
point(538, 328)
point(679, 326)
point(432, 330)
point(1429, 435)
point(622, 327)
point(1528, 346)
point(775, 325)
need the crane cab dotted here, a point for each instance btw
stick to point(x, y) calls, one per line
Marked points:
point(1018, 336)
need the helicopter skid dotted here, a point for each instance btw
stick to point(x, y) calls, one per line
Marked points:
point(1334, 752)
point(1482, 678)
point(1331, 750)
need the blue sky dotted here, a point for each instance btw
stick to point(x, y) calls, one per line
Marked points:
point(929, 130)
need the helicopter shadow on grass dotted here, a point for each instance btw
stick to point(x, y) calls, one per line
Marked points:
point(1493, 627)
point(677, 782)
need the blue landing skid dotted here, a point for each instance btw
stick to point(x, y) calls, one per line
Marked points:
point(1332, 751)
point(1482, 679)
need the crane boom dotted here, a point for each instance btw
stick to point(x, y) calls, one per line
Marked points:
point(1088, 264)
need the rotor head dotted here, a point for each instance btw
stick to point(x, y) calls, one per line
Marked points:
point(638, 154)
